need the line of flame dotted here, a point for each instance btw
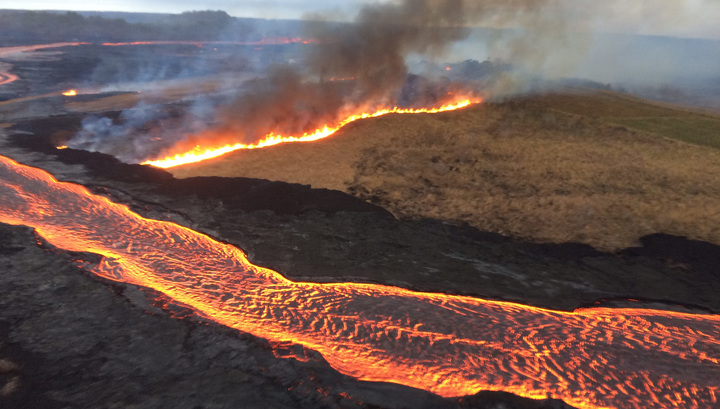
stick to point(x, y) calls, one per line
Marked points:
point(199, 154)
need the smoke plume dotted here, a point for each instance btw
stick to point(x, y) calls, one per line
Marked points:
point(363, 64)
point(369, 54)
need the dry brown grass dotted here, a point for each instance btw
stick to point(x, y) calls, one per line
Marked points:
point(528, 168)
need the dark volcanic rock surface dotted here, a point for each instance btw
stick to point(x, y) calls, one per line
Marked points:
point(323, 235)
point(78, 341)
point(71, 340)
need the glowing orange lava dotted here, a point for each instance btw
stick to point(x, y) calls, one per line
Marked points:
point(446, 344)
point(263, 41)
point(70, 93)
point(5, 51)
point(5, 76)
point(203, 153)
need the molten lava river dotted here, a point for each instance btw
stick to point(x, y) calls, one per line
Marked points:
point(450, 345)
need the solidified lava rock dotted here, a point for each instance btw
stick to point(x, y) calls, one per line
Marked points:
point(69, 339)
point(690, 255)
point(325, 235)
point(488, 399)
point(281, 198)
point(239, 193)
point(90, 342)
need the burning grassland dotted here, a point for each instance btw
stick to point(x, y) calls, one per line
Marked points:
point(525, 168)
point(529, 168)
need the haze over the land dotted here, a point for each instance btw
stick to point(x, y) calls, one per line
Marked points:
point(541, 41)
point(688, 18)
point(544, 43)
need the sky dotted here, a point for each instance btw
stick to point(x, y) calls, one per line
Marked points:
point(694, 18)
point(239, 8)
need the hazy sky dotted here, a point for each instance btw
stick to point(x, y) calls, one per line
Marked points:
point(694, 18)
point(238, 8)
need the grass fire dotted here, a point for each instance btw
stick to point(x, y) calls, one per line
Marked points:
point(200, 153)
point(414, 203)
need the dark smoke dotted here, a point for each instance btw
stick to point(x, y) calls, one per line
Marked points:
point(363, 64)
point(373, 50)
point(282, 103)
point(368, 54)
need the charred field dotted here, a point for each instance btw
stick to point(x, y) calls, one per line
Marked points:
point(571, 200)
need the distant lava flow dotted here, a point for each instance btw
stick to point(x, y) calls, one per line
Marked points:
point(5, 76)
point(450, 345)
point(201, 153)
point(263, 41)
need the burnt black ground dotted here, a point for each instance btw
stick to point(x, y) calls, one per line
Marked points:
point(71, 340)
point(319, 234)
point(79, 341)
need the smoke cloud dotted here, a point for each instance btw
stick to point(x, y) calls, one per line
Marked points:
point(364, 64)
point(370, 55)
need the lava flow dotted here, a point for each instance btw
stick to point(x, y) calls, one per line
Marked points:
point(199, 153)
point(5, 76)
point(450, 345)
point(263, 41)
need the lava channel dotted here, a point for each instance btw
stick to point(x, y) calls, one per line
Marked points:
point(446, 344)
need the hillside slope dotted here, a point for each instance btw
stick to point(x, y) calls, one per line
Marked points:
point(602, 169)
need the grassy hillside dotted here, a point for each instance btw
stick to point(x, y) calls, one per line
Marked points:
point(668, 121)
point(602, 169)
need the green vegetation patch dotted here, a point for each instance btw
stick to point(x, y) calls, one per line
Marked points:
point(670, 122)
point(698, 130)
point(606, 105)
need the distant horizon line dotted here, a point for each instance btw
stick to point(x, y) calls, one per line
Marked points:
point(609, 33)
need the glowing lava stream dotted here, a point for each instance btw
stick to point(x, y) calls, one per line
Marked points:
point(199, 153)
point(5, 76)
point(450, 345)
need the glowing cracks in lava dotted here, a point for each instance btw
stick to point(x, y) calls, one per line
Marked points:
point(450, 345)
point(200, 153)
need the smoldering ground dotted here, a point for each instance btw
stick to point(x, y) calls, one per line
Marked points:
point(536, 38)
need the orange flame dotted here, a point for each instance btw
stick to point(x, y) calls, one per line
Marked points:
point(70, 93)
point(199, 154)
